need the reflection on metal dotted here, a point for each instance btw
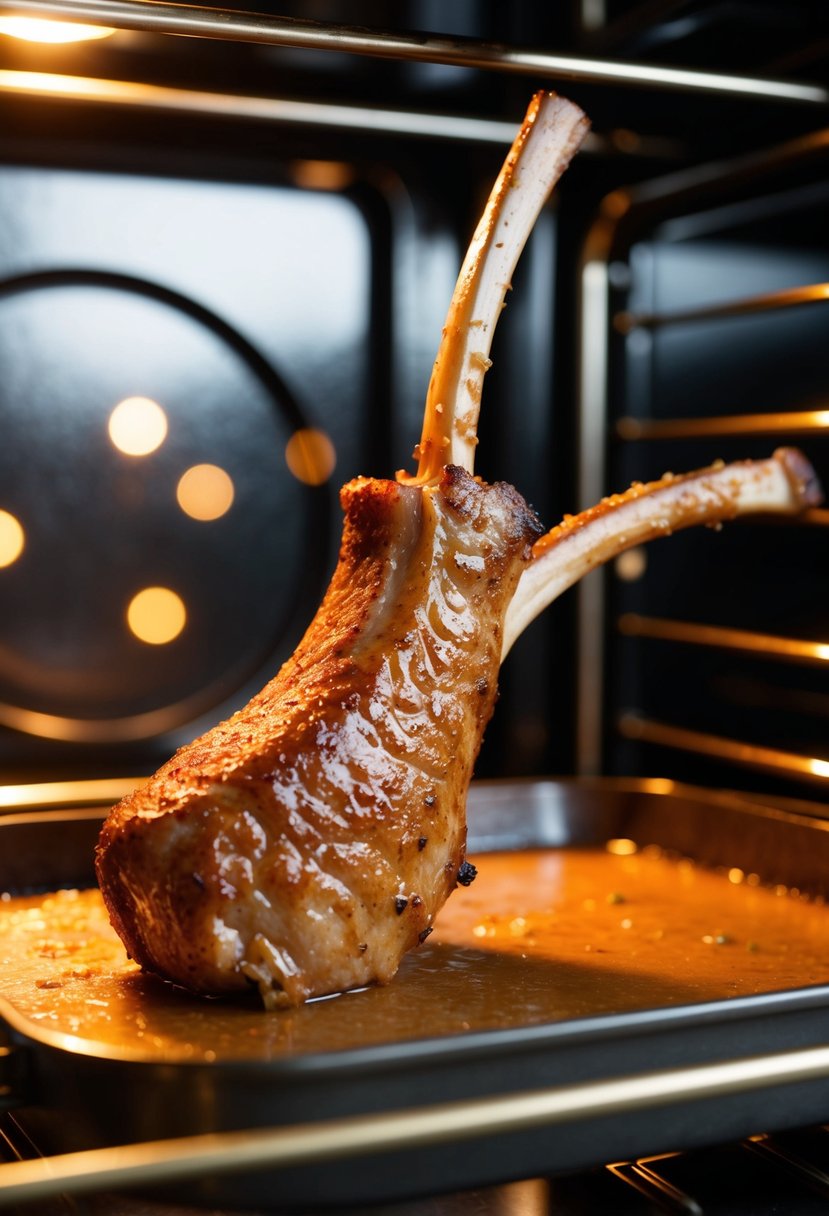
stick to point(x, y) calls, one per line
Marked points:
point(796, 422)
point(733, 751)
point(99, 792)
point(39, 29)
point(65, 729)
point(263, 29)
point(364, 119)
point(813, 293)
point(593, 362)
point(806, 1172)
point(761, 645)
point(643, 1178)
point(161, 1162)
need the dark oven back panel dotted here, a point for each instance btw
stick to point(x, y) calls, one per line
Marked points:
point(185, 365)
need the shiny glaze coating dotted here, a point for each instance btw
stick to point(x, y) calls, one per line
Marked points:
point(308, 842)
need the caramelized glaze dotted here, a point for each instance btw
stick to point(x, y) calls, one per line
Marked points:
point(309, 841)
point(540, 936)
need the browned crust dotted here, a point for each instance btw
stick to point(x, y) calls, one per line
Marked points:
point(357, 658)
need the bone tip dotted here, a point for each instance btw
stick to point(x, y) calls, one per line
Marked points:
point(802, 476)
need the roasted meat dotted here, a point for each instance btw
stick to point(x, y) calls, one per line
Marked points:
point(307, 843)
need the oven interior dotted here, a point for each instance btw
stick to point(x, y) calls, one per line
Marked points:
point(258, 235)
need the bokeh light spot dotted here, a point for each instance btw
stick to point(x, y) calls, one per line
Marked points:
point(310, 456)
point(156, 615)
point(12, 538)
point(205, 492)
point(137, 426)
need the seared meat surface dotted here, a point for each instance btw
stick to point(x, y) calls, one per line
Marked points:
point(309, 841)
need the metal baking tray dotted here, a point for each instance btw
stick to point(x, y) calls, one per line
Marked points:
point(480, 1074)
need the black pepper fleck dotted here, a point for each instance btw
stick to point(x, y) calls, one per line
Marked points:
point(429, 800)
point(199, 881)
point(401, 903)
point(467, 874)
point(421, 844)
point(424, 933)
point(416, 901)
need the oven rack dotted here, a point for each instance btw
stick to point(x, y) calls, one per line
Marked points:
point(263, 29)
point(708, 201)
point(764, 1170)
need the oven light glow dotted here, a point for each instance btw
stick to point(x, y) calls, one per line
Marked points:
point(41, 29)
point(622, 847)
point(12, 539)
point(205, 492)
point(820, 768)
point(322, 174)
point(137, 426)
point(156, 615)
point(310, 456)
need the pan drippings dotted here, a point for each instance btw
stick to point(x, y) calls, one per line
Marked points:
point(540, 936)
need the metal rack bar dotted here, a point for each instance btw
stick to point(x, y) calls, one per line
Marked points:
point(364, 119)
point(194, 21)
point(761, 645)
point(733, 751)
point(797, 1167)
point(813, 293)
point(161, 1162)
point(795, 422)
point(96, 791)
point(657, 1190)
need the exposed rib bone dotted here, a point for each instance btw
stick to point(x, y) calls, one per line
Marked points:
point(784, 484)
point(551, 133)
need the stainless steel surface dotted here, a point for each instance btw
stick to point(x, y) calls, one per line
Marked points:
point(163, 1162)
point(612, 1071)
point(593, 368)
point(230, 25)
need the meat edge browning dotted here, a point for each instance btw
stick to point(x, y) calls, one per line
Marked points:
point(202, 825)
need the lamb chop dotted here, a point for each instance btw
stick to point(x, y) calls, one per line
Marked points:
point(307, 843)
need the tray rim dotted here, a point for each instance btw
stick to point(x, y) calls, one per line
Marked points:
point(473, 1044)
